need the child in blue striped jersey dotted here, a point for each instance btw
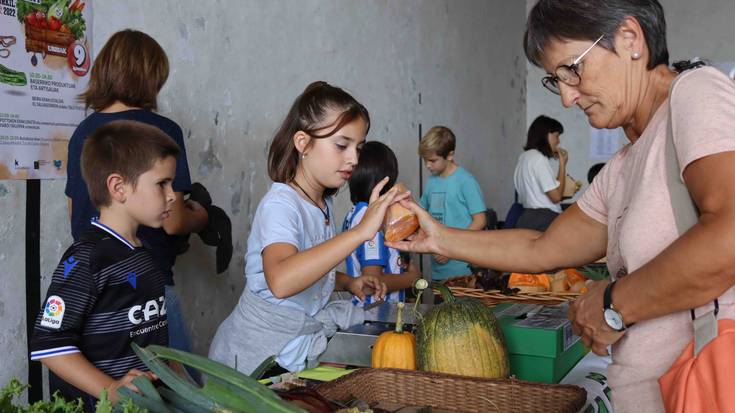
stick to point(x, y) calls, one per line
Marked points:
point(107, 290)
point(372, 257)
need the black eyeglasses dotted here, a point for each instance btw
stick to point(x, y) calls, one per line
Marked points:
point(567, 74)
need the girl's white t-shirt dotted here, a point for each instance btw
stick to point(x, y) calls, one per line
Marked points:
point(533, 178)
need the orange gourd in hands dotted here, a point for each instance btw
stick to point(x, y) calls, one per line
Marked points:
point(399, 221)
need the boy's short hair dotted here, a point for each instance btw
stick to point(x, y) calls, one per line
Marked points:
point(439, 140)
point(376, 162)
point(125, 147)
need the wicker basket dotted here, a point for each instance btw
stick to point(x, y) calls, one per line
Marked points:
point(454, 393)
point(47, 41)
point(495, 297)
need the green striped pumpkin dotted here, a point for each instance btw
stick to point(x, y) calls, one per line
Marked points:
point(461, 336)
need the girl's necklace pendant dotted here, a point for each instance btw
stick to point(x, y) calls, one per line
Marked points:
point(325, 213)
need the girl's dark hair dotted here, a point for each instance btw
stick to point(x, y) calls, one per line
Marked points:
point(131, 67)
point(377, 161)
point(538, 134)
point(307, 114)
point(588, 20)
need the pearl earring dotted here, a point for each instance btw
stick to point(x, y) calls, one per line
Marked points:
point(635, 55)
point(303, 156)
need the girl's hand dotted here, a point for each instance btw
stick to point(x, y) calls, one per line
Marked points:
point(429, 236)
point(562, 154)
point(365, 285)
point(375, 213)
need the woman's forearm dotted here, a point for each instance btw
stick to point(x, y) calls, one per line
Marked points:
point(504, 250)
point(572, 239)
point(693, 271)
point(698, 266)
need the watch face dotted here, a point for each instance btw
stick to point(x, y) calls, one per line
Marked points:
point(613, 319)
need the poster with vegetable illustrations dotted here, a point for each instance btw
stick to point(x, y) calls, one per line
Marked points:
point(45, 58)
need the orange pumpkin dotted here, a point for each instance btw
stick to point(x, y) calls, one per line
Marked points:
point(395, 349)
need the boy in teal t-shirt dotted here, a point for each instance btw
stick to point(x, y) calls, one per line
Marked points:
point(452, 195)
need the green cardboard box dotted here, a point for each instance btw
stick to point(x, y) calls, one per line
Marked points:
point(540, 341)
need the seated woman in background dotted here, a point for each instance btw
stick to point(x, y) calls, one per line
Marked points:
point(539, 188)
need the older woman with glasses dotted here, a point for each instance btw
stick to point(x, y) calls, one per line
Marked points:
point(609, 59)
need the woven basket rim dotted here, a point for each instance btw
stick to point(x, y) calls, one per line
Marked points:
point(494, 297)
point(541, 294)
point(573, 397)
point(448, 376)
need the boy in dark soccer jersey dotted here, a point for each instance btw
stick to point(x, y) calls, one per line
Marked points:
point(107, 290)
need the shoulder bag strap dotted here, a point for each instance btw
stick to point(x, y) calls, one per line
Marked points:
point(686, 215)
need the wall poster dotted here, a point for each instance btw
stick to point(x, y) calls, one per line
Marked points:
point(45, 57)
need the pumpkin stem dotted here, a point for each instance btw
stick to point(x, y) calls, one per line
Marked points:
point(415, 308)
point(446, 293)
point(419, 286)
point(399, 318)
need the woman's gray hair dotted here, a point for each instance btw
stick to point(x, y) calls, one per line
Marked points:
point(590, 19)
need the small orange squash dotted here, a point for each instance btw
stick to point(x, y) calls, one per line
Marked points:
point(395, 349)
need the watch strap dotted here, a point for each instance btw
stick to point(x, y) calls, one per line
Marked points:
point(607, 296)
point(608, 305)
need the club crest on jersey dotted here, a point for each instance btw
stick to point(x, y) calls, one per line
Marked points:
point(69, 265)
point(132, 279)
point(53, 312)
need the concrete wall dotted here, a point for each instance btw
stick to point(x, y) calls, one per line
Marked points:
point(236, 68)
point(12, 281)
point(701, 29)
point(410, 63)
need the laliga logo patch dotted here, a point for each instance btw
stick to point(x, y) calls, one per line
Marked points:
point(53, 313)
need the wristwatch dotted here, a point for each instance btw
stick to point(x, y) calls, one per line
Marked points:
point(613, 318)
